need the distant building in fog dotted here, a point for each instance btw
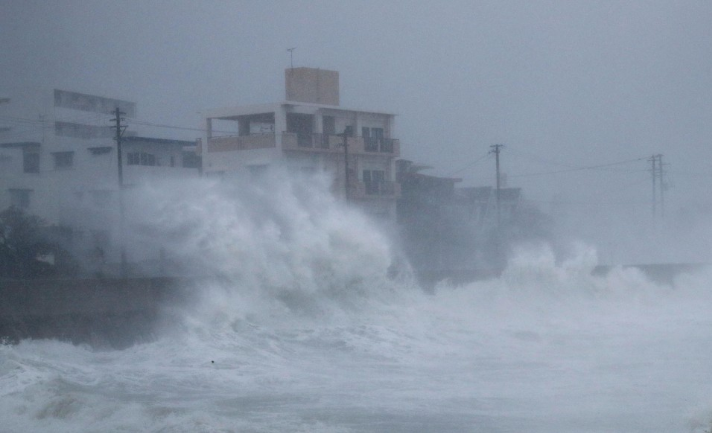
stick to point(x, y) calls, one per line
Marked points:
point(445, 228)
point(481, 204)
point(427, 218)
point(58, 160)
point(305, 133)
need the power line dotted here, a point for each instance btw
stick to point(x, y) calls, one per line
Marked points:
point(544, 160)
point(532, 156)
point(472, 164)
point(618, 190)
point(590, 167)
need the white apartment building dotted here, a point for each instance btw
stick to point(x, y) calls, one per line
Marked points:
point(306, 134)
point(58, 160)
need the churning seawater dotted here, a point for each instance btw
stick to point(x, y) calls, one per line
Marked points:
point(310, 331)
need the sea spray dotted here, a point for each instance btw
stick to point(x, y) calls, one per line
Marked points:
point(307, 330)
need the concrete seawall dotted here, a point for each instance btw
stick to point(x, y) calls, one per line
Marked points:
point(116, 313)
point(101, 312)
point(663, 273)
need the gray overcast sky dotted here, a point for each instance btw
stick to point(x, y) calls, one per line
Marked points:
point(560, 83)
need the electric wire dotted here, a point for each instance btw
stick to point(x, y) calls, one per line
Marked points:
point(571, 167)
point(471, 164)
point(589, 167)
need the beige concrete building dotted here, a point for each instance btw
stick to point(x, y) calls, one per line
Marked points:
point(306, 133)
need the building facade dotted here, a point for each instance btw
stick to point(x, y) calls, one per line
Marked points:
point(59, 161)
point(308, 133)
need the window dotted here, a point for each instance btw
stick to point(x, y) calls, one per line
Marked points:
point(374, 180)
point(377, 133)
point(372, 138)
point(20, 198)
point(148, 159)
point(63, 160)
point(5, 164)
point(30, 162)
point(96, 104)
point(77, 130)
point(329, 126)
point(133, 158)
point(100, 150)
point(191, 160)
point(141, 158)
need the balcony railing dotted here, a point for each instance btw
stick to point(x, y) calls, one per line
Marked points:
point(307, 142)
point(334, 143)
point(243, 142)
point(378, 144)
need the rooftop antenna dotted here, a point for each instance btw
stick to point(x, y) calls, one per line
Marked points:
point(291, 57)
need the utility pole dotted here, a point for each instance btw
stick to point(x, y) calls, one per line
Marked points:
point(661, 177)
point(291, 57)
point(347, 133)
point(658, 173)
point(119, 132)
point(654, 171)
point(495, 148)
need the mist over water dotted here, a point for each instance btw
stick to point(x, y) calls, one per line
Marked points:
point(317, 325)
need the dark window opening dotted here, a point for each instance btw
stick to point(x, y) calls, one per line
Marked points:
point(31, 162)
point(191, 160)
point(141, 158)
point(100, 150)
point(303, 126)
point(329, 126)
point(374, 181)
point(148, 159)
point(373, 139)
point(63, 160)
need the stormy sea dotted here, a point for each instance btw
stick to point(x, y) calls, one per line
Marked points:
point(317, 325)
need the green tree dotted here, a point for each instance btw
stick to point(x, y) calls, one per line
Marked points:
point(24, 243)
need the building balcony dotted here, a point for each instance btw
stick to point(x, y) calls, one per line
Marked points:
point(242, 142)
point(381, 145)
point(335, 143)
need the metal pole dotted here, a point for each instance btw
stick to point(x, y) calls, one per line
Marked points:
point(124, 265)
point(495, 149)
point(291, 57)
point(662, 188)
point(654, 172)
point(346, 134)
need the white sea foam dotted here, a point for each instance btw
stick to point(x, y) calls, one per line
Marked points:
point(309, 331)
